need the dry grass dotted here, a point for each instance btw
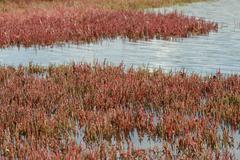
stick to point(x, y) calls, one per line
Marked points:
point(40, 22)
point(102, 4)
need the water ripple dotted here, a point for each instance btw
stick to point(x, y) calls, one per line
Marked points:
point(202, 54)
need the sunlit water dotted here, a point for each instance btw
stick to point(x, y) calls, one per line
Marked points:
point(202, 54)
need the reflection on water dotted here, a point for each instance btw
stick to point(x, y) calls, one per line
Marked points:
point(146, 142)
point(203, 54)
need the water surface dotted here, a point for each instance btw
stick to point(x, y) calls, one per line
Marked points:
point(202, 54)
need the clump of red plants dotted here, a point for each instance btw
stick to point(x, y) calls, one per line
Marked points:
point(68, 24)
point(45, 110)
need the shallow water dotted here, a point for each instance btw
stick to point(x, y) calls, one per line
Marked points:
point(202, 54)
point(146, 142)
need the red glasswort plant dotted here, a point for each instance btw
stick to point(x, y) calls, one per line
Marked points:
point(45, 110)
point(47, 27)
